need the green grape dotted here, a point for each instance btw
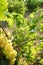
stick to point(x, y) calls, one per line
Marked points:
point(7, 49)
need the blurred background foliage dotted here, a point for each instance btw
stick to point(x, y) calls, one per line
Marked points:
point(23, 23)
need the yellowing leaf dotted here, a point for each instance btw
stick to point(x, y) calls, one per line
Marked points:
point(3, 6)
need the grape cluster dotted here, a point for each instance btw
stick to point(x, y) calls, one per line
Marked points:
point(7, 49)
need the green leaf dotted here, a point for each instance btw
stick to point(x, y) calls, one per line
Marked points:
point(3, 6)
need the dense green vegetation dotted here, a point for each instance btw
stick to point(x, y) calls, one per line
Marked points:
point(21, 32)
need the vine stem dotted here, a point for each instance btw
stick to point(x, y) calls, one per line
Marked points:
point(4, 31)
point(27, 42)
point(21, 43)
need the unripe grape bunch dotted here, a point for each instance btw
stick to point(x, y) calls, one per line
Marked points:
point(7, 49)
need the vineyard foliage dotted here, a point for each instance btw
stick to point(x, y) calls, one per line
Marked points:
point(23, 40)
point(3, 7)
point(33, 5)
